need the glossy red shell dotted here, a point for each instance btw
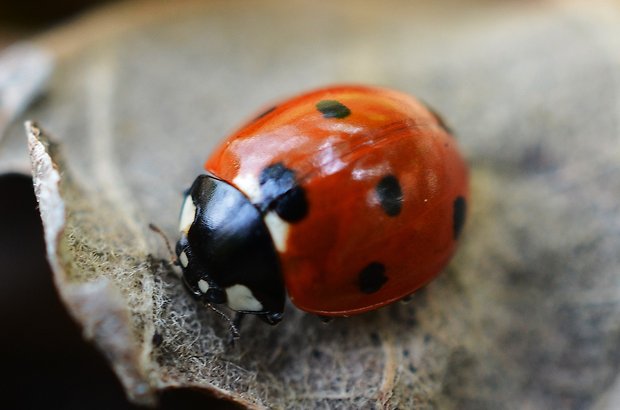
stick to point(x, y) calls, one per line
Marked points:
point(339, 163)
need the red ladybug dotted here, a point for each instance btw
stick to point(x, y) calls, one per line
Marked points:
point(348, 198)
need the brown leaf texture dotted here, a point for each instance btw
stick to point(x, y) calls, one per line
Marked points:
point(526, 315)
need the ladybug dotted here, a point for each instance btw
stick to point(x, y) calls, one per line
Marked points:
point(348, 198)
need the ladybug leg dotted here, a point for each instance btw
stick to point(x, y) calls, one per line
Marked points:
point(407, 299)
point(235, 328)
point(237, 320)
point(232, 323)
point(272, 318)
point(325, 319)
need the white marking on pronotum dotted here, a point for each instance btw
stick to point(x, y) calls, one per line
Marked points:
point(203, 285)
point(188, 214)
point(248, 184)
point(241, 298)
point(278, 230)
point(183, 259)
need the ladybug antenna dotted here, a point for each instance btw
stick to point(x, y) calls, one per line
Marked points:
point(157, 230)
point(234, 331)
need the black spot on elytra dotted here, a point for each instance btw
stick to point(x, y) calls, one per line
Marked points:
point(292, 206)
point(458, 215)
point(282, 194)
point(270, 110)
point(333, 109)
point(439, 119)
point(372, 277)
point(390, 195)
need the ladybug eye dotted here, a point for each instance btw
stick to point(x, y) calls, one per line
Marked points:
point(215, 295)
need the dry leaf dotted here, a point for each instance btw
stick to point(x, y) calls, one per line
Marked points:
point(526, 316)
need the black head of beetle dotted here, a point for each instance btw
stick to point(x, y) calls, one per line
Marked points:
point(226, 252)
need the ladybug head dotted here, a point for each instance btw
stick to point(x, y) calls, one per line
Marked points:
point(226, 252)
